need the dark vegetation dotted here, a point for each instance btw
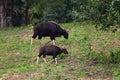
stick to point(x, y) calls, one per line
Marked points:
point(104, 13)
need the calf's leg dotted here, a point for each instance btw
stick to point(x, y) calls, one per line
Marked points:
point(38, 57)
point(55, 59)
point(44, 58)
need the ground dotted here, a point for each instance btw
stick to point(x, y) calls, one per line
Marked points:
point(93, 55)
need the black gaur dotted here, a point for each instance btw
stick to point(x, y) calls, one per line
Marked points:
point(50, 29)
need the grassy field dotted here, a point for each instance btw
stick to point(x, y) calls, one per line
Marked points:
point(93, 55)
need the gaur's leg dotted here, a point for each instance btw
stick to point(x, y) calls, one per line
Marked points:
point(55, 60)
point(34, 36)
point(44, 58)
point(40, 38)
point(53, 40)
point(38, 57)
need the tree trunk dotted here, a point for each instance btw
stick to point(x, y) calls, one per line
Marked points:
point(3, 14)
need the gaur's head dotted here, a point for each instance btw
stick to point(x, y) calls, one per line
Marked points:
point(64, 50)
point(65, 34)
point(36, 31)
point(35, 34)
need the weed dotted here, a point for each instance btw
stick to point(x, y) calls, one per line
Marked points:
point(115, 56)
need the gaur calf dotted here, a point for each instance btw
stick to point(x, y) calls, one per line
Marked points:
point(52, 51)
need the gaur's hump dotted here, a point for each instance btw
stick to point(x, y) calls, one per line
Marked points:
point(49, 23)
point(45, 23)
point(50, 46)
point(53, 22)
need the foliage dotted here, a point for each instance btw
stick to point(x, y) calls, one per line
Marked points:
point(104, 14)
point(115, 56)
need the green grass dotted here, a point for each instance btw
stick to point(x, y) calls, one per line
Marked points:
point(17, 56)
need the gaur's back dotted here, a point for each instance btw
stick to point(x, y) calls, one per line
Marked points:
point(50, 49)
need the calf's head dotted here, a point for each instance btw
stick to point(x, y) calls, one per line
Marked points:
point(64, 50)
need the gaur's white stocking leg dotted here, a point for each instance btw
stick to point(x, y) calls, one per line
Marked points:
point(53, 41)
point(44, 60)
point(37, 59)
point(55, 60)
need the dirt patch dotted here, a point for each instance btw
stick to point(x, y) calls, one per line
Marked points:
point(25, 34)
point(104, 45)
point(9, 60)
point(93, 78)
point(14, 76)
point(13, 53)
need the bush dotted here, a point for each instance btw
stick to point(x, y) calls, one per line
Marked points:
point(115, 56)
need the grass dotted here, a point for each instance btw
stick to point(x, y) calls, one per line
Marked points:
point(84, 62)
